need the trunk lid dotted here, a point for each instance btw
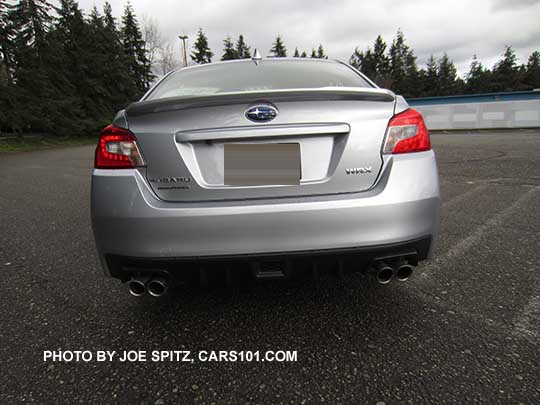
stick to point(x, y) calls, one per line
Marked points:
point(339, 133)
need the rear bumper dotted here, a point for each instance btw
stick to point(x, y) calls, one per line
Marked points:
point(289, 264)
point(130, 221)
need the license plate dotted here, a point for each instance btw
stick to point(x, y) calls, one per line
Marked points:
point(262, 164)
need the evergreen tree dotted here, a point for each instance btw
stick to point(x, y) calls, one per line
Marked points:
point(369, 64)
point(431, 82)
point(6, 50)
point(313, 53)
point(116, 75)
point(447, 76)
point(478, 78)
point(357, 59)
point(96, 30)
point(70, 67)
point(30, 21)
point(109, 20)
point(532, 74)
point(421, 84)
point(201, 52)
point(296, 53)
point(398, 53)
point(364, 62)
point(459, 86)
point(373, 63)
point(505, 72)
point(6, 60)
point(303, 54)
point(412, 83)
point(320, 53)
point(382, 66)
point(242, 50)
point(278, 48)
point(3, 14)
point(139, 65)
point(67, 76)
point(229, 52)
point(96, 20)
point(107, 77)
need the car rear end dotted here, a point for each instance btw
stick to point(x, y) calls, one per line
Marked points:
point(260, 168)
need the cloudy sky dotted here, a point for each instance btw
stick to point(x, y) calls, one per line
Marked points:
point(460, 28)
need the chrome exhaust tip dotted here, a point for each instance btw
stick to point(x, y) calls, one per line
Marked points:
point(157, 287)
point(383, 273)
point(404, 271)
point(137, 286)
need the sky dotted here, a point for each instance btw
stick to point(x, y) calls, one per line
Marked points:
point(459, 28)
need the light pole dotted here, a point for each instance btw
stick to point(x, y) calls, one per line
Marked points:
point(183, 38)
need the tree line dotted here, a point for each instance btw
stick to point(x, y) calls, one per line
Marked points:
point(395, 67)
point(64, 72)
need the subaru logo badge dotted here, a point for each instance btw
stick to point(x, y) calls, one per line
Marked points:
point(261, 113)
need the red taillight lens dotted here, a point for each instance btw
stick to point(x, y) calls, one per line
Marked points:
point(406, 132)
point(117, 149)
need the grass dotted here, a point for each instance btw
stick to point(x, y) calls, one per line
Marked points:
point(27, 142)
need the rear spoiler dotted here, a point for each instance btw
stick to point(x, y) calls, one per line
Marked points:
point(325, 93)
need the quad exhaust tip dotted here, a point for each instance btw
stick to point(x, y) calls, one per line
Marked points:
point(404, 271)
point(383, 273)
point(155, 286)
point(137, 286)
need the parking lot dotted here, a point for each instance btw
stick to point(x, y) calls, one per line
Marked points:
point(466, 326)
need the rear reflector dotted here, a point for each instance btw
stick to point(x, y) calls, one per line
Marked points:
point(117, 149)
point(406, 133)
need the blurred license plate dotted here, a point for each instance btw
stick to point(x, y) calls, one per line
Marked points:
point(261, 164)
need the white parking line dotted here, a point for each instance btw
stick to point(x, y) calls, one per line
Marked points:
point(529, 321)
point(461, 197)
point(527, 325)
point(465, 244)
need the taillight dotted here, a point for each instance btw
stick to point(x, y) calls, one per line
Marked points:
point(117, 149)
point(406, 132)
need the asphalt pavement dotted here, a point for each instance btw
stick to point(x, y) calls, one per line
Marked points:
point(465, 327)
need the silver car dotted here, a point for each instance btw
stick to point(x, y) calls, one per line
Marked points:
point(266, 168)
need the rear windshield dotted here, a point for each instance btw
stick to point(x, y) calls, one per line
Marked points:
point(246, 76)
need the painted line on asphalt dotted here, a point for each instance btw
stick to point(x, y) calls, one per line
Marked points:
point(529, 320)
point(463, 245)
point(528, 323)
point(461, 197)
